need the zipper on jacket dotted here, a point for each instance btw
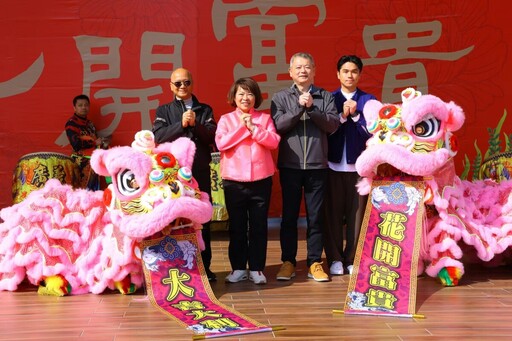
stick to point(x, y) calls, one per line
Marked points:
point(305, 141)
point(306, 116)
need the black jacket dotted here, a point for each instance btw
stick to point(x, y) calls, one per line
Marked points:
point(167, 128)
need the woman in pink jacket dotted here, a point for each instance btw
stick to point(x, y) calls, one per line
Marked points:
point(245, 138)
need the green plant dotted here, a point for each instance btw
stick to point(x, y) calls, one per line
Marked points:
point(493, 150)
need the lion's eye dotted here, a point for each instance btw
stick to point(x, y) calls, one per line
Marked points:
point(428, 128)
point(126, 183)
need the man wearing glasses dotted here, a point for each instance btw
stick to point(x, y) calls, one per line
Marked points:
point(185, 116)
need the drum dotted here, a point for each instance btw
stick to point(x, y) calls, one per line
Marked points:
point(34, 170)
point(220, 213)
point(498, 167)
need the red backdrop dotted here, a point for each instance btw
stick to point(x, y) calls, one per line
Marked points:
point(121, 54)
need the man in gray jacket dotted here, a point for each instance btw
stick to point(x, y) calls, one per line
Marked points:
point(304, 115)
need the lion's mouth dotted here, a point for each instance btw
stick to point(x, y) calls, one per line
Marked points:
point(386, 170)
point(178, 223)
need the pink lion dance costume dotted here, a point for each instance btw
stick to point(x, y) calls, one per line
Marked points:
point(416, 138)
point(78, 241)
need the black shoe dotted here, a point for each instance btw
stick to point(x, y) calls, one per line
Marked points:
point(211, 276)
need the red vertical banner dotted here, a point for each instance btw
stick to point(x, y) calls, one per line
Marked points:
point(177, 285)
point(384, 281)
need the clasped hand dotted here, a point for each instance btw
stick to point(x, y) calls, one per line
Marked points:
point(188, 119)
point(349, 107)
point(247, 120)
point(306, 100)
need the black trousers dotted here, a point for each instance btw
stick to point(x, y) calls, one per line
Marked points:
point(203, 179)
point(341, 207)
point(293, 183)
point(247, 204)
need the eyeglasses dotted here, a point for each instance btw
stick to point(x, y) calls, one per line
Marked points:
point(178, 84)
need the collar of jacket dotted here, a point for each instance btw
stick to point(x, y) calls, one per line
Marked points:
point(312, 89)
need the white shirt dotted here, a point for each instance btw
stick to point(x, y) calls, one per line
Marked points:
point(343, 166)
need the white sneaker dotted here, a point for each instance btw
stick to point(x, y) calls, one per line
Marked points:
point(336, 268)
point(236, 276)
point(349, 268)
point(257, 277)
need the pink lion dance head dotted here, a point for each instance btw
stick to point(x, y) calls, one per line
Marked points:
point(59, 235)
point(416, 138)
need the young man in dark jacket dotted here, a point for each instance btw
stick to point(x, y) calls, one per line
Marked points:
point(342, 201)
point(185, 116)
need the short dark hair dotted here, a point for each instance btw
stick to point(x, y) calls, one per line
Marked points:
point(82, 96)
point(352, 59)
point(249, 84)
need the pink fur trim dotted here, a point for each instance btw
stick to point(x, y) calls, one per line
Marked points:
point(450, 114)
point(433, 270)
point(140, 227)
point(182, 148)
point(400, 158)
point(364, 186)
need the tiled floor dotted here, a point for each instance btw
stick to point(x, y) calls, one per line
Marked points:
point(479, 308)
